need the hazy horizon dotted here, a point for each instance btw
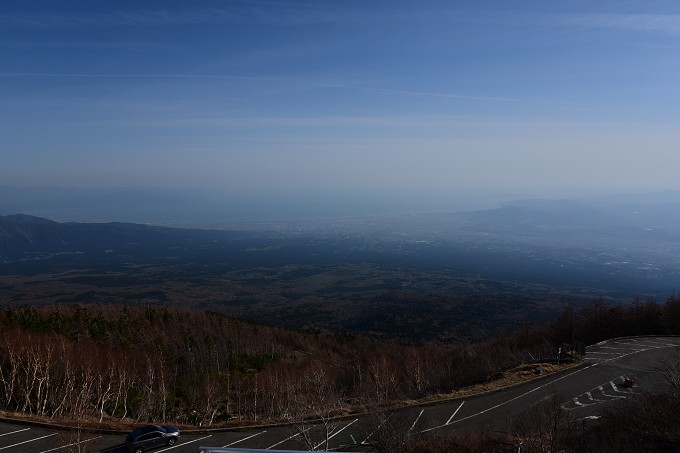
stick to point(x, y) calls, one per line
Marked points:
point(194, 205)
point(201, 206)
point(299, 109)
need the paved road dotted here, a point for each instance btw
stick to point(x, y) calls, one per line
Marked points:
point(584, 392)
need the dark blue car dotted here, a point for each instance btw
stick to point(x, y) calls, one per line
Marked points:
point(151, 436)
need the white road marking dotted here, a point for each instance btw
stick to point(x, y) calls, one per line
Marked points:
point(417, 418)
point(538, 388)
point(671, 340)
point(183, 443)
point(72, 444)
point(646, 343)
point(14, 432)
point(660, 341)
point(601, 389)
point(363, 442)
point(454, 413)
point(27, 441)
point(284, 440)
point(616, 389)
point(589, 395)
point(623, 349)
point(515, 398)
point(245, 438)
point(335, 434)
point(579, 404)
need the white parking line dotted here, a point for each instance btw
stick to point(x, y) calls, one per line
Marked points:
point(671, 340)
point(365, 441)
point(417, 418)
point(616, 389)
point(14, 432)
point(517, 397)
point(27, 441)
point(72, 444)
point(623, 349)
point(454, 413)
point(659, 342)
point(245, 438)
point(183, 443)
point(335, 434)
point(645, 343)
point(595, 400)
point(652, 345)
point(609, 396)
point(591, 402)
point(283, 441)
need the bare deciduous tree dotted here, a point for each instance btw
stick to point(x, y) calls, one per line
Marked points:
point(545, 427)
point(671, 373)
point(390, 431)
point(314, 408)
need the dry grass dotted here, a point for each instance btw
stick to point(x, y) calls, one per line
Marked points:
point(516, 376)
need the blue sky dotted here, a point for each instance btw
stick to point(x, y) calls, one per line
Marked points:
point(440, 100)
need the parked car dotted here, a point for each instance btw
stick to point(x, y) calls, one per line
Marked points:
point(151, 436)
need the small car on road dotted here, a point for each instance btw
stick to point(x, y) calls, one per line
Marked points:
point(150, 437)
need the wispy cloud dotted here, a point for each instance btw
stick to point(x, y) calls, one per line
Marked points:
point(129, 76)
point(470, 97)
point(96, 45)
point(236, 12)
point(427, 94)
point(666, 23)
point(658, 23)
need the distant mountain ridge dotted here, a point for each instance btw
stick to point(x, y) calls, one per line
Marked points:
point(22, 235)
point(597, 243)
point(576, 215)
point(322, 273)
point(621, 221)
